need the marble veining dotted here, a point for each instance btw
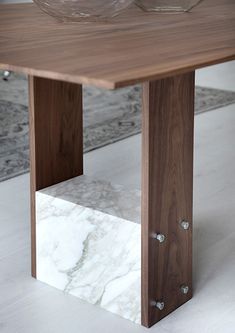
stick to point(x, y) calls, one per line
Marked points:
point(100, 195)
point(86, 250)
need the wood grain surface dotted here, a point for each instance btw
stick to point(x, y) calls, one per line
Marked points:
point(134, 47)
point(56, 145)
point(167, 188)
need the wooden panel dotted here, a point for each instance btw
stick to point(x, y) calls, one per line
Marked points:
point(56, 145)
point(167, 187)
point(134, 47)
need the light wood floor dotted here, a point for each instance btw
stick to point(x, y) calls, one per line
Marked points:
point(27, 305)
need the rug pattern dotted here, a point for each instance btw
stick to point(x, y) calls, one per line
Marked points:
point(109, 116)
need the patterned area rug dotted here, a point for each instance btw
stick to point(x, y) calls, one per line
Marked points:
point(109, 116)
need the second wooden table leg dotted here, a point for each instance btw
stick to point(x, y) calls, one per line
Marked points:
point(56, 145)
point(167, 188)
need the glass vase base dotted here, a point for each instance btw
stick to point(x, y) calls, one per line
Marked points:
point(167, 6)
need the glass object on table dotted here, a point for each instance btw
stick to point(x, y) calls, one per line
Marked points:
point(167, 6)
point(82, 10)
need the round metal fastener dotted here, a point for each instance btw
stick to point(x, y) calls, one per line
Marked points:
point(160, 237)
point(185, 224)
point(184, 289)
point(159, 305)
point(6, 75)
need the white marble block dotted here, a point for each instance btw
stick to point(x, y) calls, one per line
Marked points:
point(88, 243)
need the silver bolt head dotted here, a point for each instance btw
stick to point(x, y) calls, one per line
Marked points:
point(6, 75)
point(160, 237)
point(185, 225)
point(184, 289)
point(160, 305)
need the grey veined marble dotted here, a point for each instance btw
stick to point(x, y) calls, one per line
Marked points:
point(88, 243)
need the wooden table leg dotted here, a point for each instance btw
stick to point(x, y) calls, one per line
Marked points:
point(167, 188)
point(56, 145)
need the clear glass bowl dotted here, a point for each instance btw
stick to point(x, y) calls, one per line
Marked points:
point(167, 6)
point(83, 10)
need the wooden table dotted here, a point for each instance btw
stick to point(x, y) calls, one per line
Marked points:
point(160, 51)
